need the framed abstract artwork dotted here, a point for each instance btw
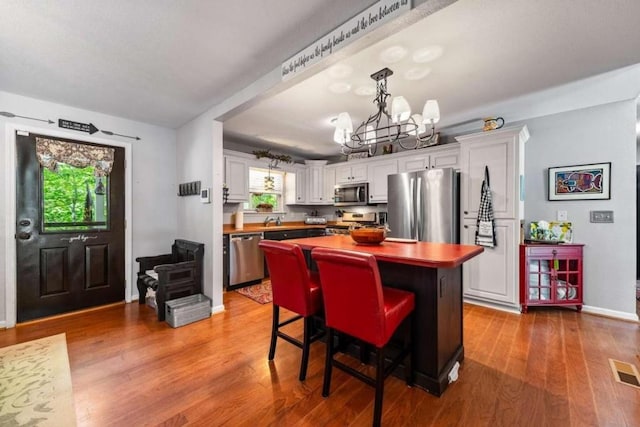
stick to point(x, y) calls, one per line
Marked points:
point(580, 182)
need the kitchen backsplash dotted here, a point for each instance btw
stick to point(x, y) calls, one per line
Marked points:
point(296, 213)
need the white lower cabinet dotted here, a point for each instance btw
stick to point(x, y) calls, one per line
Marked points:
point(493, 275)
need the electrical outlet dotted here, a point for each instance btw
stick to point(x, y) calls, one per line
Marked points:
point(601, 216)
point(561, 215)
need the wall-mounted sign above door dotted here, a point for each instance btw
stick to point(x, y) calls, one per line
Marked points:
point(80, 127)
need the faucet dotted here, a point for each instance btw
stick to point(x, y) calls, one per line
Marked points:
point(267, 220)
point(278, 222)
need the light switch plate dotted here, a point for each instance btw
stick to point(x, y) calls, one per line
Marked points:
point(561, 215)
point(601, 216)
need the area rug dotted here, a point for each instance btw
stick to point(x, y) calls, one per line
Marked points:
point(35, 384)
point(259, 293)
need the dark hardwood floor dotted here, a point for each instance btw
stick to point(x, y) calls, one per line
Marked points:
point(546, 368)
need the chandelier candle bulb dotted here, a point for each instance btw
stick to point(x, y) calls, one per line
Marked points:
point(400, 109)
point(431, 112)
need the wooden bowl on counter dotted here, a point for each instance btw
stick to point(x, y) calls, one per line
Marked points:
point(368, 236)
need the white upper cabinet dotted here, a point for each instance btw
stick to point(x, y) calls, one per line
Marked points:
point(414, 163)
point(446, 156)
point(296, 186)
point(236, 175)
point(349, 174)
point(316, 194)
point(378, 172)
point(502, 152)
point(329, 183)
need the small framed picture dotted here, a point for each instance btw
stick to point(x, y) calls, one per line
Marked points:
point(580, 182)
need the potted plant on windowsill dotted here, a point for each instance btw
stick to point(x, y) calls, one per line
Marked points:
point(264, 207)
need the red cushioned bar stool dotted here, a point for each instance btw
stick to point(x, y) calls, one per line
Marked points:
point(356, 304)
point(297, 290)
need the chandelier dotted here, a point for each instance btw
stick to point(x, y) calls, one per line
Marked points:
point(409, 131)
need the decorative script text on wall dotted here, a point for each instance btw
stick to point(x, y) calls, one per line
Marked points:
point(381, 12)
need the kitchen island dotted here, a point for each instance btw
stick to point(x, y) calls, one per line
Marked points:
point(433, 272)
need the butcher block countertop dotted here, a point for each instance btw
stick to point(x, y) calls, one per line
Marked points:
point(434, 255)
point(258, 227)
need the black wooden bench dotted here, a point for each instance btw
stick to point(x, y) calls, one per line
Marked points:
point(179, 273)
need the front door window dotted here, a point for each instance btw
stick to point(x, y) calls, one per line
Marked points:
point(74, 199)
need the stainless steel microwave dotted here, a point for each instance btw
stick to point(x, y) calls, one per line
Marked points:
point(351, 194)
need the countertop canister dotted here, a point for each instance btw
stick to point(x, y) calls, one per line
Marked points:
point(239, 220)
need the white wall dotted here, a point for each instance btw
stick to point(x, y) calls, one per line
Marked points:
point(604, 133)
point(199, 158)
point(153, 180)
point(586, 121)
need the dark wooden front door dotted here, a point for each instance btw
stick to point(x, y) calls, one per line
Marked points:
point(72, 265)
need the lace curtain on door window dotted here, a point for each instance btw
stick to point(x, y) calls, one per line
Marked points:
point(50, 152)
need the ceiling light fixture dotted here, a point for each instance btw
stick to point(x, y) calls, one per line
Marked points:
point(383, 127)
point(269, 182)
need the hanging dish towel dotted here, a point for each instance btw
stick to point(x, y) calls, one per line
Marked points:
point(486, 227)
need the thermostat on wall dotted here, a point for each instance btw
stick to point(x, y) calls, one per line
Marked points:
point(205, 196)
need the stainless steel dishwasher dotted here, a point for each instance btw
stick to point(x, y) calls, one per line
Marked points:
point(246, 259)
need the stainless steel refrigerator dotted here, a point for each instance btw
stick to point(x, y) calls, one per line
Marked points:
point(424, 205)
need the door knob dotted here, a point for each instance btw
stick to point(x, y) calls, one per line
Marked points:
point(24, 222)
point(24, 235)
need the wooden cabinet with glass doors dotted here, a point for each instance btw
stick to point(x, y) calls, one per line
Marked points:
point(550, 275)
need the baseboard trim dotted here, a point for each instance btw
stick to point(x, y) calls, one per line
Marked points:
point(620, 315)
point(494, 306)
point(598, 311)
point(217, 309)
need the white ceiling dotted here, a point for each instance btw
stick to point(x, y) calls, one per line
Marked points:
point(157, 61)
point(164, 61)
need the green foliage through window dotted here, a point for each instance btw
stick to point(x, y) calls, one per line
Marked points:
point(264, 198)
point(70, 200)
point(261, 195)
